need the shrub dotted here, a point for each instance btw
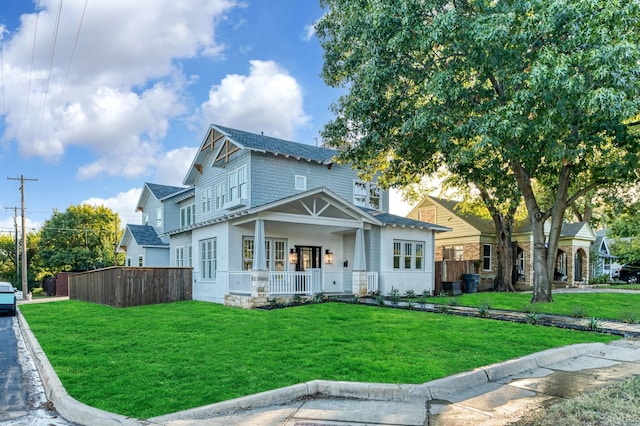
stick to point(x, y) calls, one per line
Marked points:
point(593, 324)
point(578, 312)
point(532, 318)
point(410, 294)
point(483, 310)
point(380, 299)
point(394, 295)
point(600, 279)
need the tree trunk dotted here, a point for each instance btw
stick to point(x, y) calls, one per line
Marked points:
point(541, 277)
point(504, 250)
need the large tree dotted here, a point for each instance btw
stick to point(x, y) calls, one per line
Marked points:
point(546, 87)
point(79, 239)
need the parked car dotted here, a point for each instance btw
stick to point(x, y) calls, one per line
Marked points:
point(7, 298)
point(630, 272)
point(18, 293)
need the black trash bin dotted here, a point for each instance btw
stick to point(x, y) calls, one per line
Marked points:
point(471, 282)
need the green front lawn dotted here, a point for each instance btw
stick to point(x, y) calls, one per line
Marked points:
point(152, 360)
point(619, 306)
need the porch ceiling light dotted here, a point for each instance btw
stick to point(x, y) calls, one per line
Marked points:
point(293, 256)
point(328, 257)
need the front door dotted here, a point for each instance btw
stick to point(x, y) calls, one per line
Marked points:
point(309, 257)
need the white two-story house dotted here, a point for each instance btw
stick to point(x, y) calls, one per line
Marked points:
point(262, 217)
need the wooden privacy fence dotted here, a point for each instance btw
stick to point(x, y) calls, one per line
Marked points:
point(122, 287)
point(452, 270)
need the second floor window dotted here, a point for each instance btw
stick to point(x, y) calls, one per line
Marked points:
point(218, 196)
point(187, 215)
point(159, 217)
point(206, 200)
point(238, 183)
point(366, 194)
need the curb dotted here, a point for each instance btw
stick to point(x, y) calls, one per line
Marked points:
point(69, 408)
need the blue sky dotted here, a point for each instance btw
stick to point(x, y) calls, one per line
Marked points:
point(121, 92)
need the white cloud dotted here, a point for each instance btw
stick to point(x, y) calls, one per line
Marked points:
point(124, 204)
point(267, 100)
point(123, 85)
point(173, 166)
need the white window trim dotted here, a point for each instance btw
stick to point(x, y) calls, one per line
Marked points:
point(208, 259)
point(402, 255)
point(369, 187)
point(159, 217)
point(141, 260)
point(187, 215)
point(300, 183)
point(206, 200)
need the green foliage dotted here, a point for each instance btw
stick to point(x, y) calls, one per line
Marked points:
point(81, 238)
point(578, 312)
point(410, 293)
point(593, 324)
point(537, 92)
point(483, 310)
point(600, 279)
point(394, 295)
point(627, 249)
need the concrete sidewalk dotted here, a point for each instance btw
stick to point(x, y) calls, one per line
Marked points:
point(494, 395)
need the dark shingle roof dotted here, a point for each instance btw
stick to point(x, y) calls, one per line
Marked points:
point(145, 235)
point(392, 219)
point(161, 191)
point(278, 146)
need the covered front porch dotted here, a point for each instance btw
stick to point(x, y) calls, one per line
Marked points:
point(301, 246)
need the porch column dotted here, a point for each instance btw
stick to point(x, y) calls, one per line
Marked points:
point(359, 274)
point(259, 272)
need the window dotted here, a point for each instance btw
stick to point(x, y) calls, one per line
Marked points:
point(419, 256)
point(189, 256)
point(427, 214)
point(179, 256)
point(187, 215)
point(218, 196)
point(301, 183)
point(145, 219)
point(397, 249)
point(275, 253)
point(486, 257)
point(140, 261)
point(159, 217)
point(453, 253)
point(408, 255)
point(128, 261)
point(238, 184)
point(208, 259)
point(206, 200)
point(366, 194)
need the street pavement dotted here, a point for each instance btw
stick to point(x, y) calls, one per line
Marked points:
point(493, 395)
point(22, 397)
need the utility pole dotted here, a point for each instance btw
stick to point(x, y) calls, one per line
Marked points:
point(15, 226)
point(25, 287)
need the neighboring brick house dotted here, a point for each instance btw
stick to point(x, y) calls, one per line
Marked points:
point(261, 217)
point(473, 238)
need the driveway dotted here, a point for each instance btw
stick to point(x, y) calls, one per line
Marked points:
point(22, 398)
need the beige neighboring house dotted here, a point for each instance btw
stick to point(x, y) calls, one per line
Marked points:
point(473, 238)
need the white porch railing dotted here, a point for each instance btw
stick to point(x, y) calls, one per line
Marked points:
point(240, 282)
point(372, 282)
point(292, 282)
